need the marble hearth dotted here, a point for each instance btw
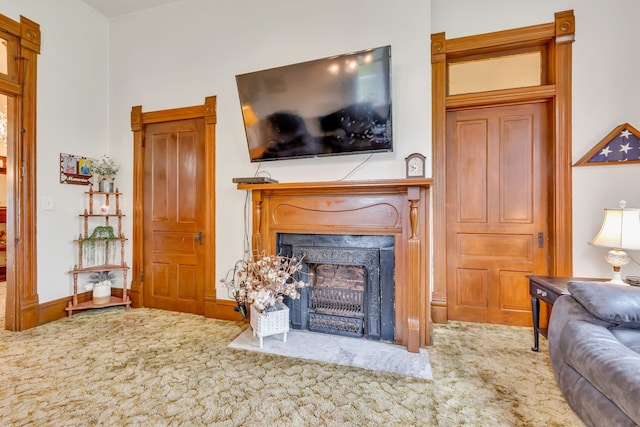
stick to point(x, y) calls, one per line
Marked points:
point(395, 208)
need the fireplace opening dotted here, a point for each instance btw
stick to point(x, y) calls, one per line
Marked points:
point(351, 288)
point(337, 299)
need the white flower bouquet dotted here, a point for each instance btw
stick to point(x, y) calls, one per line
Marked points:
point(106, 166)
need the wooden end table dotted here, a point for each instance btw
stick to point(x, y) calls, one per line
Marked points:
point(548, 289)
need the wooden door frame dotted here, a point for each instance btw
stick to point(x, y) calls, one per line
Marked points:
point(22, 304)
point(207, 111)
point(558, 37)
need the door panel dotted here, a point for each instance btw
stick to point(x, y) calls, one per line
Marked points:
point(514, 291)
point(174, 216)
point(496, 206)
point(516, 158)
point(472, 287)
point(473, 160)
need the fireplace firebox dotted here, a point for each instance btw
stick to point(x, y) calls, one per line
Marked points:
point(351, 284)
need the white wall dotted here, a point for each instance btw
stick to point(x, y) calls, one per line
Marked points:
point(71, 118)
point(605, 94)
point(92, 71)
point(176, 55)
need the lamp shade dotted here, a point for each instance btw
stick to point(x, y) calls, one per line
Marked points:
point(620, 229)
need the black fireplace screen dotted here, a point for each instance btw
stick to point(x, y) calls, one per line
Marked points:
point(337, 306)
point(336, 310)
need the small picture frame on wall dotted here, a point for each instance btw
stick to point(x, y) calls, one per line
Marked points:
point(75, 169)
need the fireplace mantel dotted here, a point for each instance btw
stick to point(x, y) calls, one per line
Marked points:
point(398, 207)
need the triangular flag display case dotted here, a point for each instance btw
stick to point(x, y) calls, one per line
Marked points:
point(620, 146)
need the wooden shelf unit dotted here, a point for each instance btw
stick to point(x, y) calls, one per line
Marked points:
point(91, 216)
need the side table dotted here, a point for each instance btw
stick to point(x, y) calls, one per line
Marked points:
point(548, 289)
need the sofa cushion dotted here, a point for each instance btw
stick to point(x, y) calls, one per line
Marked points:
point(613, 303)
point(630, 338)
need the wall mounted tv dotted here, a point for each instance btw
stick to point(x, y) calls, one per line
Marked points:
point(331, 106)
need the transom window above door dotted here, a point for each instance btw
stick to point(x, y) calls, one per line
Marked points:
point(524, 69)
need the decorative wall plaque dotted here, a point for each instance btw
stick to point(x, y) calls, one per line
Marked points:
point(75, 170)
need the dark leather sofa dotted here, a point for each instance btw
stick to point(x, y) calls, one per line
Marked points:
point(594, 345)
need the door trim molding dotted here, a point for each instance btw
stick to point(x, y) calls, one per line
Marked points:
point(558, 36)
point(22, 310)
point(139, 119)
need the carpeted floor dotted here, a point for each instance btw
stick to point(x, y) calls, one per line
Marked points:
point(148, 367)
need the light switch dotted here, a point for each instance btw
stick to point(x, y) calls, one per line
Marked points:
point(47, 203)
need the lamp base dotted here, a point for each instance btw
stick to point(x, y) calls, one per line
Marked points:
point(617, 279)
point(617, 258)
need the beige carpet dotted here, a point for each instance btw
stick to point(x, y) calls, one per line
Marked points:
point(148, 367)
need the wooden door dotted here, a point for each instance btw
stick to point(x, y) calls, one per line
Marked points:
point(496, 211)
point(174, 216)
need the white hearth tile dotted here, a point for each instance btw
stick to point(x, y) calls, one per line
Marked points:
point(357, 352)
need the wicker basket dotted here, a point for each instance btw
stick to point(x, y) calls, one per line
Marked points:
point(272, 323)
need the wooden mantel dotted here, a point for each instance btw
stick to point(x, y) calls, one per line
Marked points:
point(398, 207)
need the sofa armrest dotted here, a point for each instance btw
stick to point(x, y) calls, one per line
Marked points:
point(619, 304)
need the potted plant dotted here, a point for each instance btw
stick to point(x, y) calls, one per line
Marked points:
point(105, 170)
point(100, 285)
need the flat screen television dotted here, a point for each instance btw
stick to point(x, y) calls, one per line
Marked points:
point(331, 106)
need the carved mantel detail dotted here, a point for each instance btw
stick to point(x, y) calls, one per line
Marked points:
point(398, 208)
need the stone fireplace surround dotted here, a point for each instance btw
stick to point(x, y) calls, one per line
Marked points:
point(397, 208)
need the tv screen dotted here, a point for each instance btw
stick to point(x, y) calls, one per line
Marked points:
point(331, 106)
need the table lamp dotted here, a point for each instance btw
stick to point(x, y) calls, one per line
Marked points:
point(620, 230)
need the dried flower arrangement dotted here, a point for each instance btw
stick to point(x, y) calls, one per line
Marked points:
point(264, 282)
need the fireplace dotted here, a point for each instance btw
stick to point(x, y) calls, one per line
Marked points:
point(351, 289)
point(393, 209)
